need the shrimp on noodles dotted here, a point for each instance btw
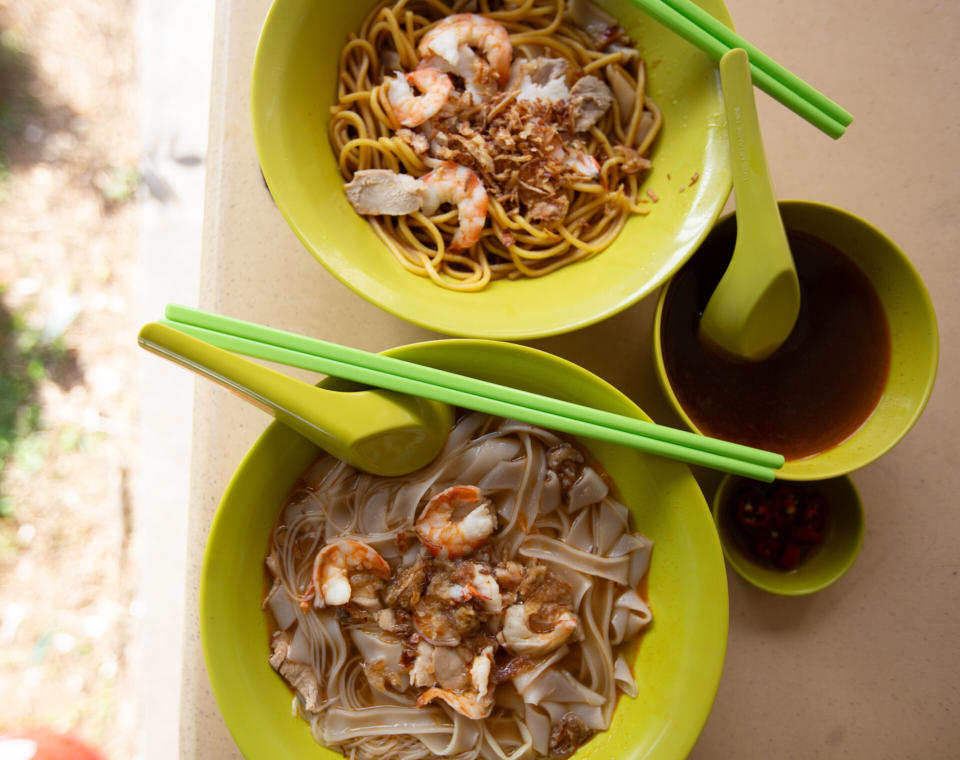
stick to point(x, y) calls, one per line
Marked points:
point(517, 636)
point(456, 184)
point(412, 110)
point(334, 565)
point(448, 37)
point(442, 536)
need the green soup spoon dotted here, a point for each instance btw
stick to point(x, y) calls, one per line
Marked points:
point(755, 306)
point(378, 431)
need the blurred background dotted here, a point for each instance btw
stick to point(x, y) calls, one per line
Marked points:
point(103, 119)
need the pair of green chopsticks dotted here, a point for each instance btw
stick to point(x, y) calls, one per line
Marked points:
point(688, 20)
point(393, 374)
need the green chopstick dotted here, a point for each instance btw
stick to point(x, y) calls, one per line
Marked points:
point(698, 27)
point(407, 377)
point(762, 61)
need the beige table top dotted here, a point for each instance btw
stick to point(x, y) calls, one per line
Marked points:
point(867, 668)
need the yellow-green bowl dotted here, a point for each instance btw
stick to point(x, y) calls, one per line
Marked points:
point(914, 341)
point(294, 85)
point(825, 565)
point(678, 662)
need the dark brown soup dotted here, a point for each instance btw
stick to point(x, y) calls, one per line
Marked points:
point(816, 389)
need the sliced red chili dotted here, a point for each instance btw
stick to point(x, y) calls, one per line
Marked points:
point(786, 504)
point(806, 534)
point(815, 510)
point(790, 556)
point(753, 510)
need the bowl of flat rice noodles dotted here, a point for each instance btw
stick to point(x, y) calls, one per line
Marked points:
point(486, 168)
point(524, 595)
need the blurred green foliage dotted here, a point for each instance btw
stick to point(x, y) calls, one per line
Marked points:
point(25, 361)
point(15, 100)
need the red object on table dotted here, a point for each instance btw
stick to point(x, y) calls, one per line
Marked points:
point(43, 744)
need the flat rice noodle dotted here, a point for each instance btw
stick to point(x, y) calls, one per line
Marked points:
point(376, 645)
point(624, 677)
point(341, 517)
point(505, 476)
point(625, 624)
point(554, 685)
point(607, 528)
point(477, 461)
point(506, 739)
point(296, 510)
point(596, 651)
point(588, 489)
point(581, 532)
point(403, 509)
point(551, 495)
point(592, 716)
point(621, 510)
point(514, 427)
point(373, 511)
point(317, 471)
point(300, 649)
point(624, 92)
point(640, 563)
point(465, 735)
point(531, 488)
point(631, 600)
point(507, 508)
point(538, 723)
point(282, 607)
point(523, 680)
point(341, 725)
point(629, 542)
point(542, 547)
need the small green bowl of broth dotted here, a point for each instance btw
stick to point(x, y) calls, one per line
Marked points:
point(852, 378)
point(786, 537)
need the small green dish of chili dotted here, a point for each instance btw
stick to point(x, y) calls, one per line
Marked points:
point(789, 538)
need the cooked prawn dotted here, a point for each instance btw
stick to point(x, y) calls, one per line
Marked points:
point(466, 703)
point(412, 110)
point(517, 636)
point(336, 562)
point(480, 671)
point(491, 37)
point(452, 183)
point(446, 538)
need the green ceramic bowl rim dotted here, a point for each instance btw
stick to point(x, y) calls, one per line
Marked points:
point(926, 301)
point(563, 323)
point(709, 668)
point(745, 569)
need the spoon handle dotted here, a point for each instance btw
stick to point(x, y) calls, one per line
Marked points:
point(291, 401)
point(752, 185)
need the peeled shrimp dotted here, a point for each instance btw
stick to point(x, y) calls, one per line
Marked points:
point(336, 561)
point(490, 36)
point(446, 538)
point(466, 703)
point(453, 183)
point(518, 638)
point(412, 110)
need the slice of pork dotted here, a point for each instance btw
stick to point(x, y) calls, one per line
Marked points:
point(381, 191)
point(590, 98)
point(301, 677)
point(539, 78)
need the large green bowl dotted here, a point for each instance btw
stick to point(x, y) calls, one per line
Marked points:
point(914, 338)
point(293, 87)
point(679, 659)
